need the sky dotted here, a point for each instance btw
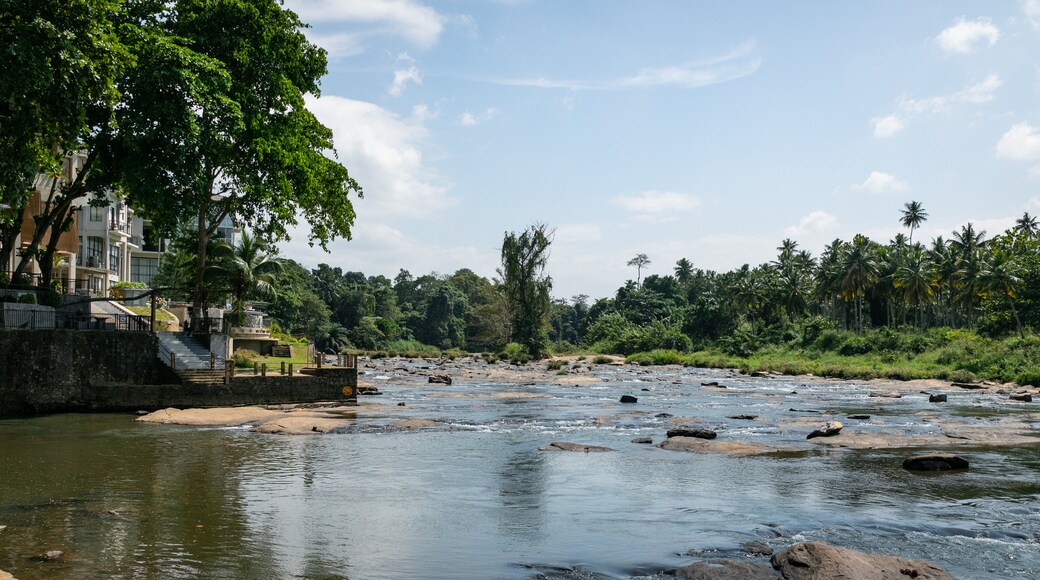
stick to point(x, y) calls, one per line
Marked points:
point(677, 129)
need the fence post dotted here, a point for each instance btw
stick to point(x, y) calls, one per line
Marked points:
point(283, 367)
point(256, 368)
point(227, 368)
point(263, 370)
point(318, 358)
point(290, 369)
point(173, 360)
point(212, 361)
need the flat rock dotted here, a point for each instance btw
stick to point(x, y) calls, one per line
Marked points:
point(743, 417)
point(414, 424)
point(859, 417)
point(710, 384)
point(831, 429)
point(301, 425)
point(819, 561)
point(575, 447)
point(1024, 397)
point(972, 386)
point(643, 440)
point(935, 462)
point(886, 394)
point(726, 570)
point(6, 576)
point(696, 445)
point(218, 417)
point(687, 432)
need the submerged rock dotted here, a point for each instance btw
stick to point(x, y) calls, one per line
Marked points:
point(735, 448)
point(968, 385)
point(886, 394)
point(576, 447)
point(1024, 397)
point(726, 570)
point(831, 429)
point(629, 399)
point(643, 440)
point(936, 398)
point(439, 379)
point(819, 560)
point(687, 432)
point(936, 462)
point(743, 417)
point(859, 417)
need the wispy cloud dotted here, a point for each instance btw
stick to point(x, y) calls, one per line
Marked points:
point(578, 233)
point(382, 151)
point(733, 65)
point(657, 206)
point(1021, 143)
point(880, 182)
point(817, 222)
point(403, 76)
point(1032, 11)
point(406, 19)
point(909, 109)
point(967, 35)
point(469, 119)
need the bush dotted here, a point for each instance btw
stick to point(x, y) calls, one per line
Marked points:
point(555, 365)
point(656, 357)
point(27, 298)
point(244, 358)
point(602, 360)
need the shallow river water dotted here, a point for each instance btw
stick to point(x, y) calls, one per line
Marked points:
point(476, 499)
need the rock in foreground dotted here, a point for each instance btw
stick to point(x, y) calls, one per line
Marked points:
point(820, 561)
point(938, 462)
point(687, 432)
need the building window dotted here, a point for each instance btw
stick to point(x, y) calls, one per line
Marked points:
point(113, 259)
point(95, 245)
point(143, 269)
point(96, 213)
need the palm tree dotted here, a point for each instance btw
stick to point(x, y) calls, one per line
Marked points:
point(1002, 277)
point(860, 267)
point(915, 280)
point(966, 241)
point(640, 262)
point(683, 271)
point(913, 216)
point(249, 269)
point(1026, 225)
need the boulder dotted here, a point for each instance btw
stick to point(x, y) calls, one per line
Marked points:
point(687, 432)
point(886, 394)
point(755, 548)
point(440, 379)
point(819, 561)
point(860, 417)
point(726, 570)
point(629, 399)
point(831, 429)
point(576, 447)
point(1025, 397)
point(936, 462)
point(710, 384)
point(643, 440)
point(6, 576)
point(936, 398)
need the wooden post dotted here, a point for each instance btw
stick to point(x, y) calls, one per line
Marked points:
point(256, 368)
point(263, 370)
point(283, 367)
point(317, 359)
point(212, 361)
point(290, 369)
point(227, 371)
point(173, 360)
point(151, 321)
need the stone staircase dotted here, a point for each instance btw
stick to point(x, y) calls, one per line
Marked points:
point(191, 360)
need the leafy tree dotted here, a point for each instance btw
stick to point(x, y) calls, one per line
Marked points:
point(527, 288)
point(249, 269)
point(296, 306)
point(640, 262)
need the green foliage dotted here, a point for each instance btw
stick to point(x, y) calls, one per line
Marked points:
point(656, 357)
point(27, 298)
point(244, 358)
point(601, 360)
point(555, 364)
point(527, 288)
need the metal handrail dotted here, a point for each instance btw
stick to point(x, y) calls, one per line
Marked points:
point(167, 355)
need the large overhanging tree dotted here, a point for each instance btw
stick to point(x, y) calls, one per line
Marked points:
point(239, 144)
point(524, 257)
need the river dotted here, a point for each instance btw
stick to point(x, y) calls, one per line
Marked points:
point(476, 499)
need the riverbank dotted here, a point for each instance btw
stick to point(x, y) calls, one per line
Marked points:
point(876, 413)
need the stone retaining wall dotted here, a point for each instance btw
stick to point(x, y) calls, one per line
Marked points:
point(54, 371)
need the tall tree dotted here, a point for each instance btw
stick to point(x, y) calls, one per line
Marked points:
point(248, 269)
point(253, 151)
point(640, 262)
point(913, 216)
point(1026, 225)
point(683, 272)
point(527, 288)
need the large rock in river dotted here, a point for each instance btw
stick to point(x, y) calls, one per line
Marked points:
point(821, 561)
point(937, 462)
point(688, 432)
point(831, 429)
point(726, 570)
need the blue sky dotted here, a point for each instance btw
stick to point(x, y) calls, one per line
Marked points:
point(704, 130)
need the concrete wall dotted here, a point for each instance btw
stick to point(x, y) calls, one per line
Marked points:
point(52, 371)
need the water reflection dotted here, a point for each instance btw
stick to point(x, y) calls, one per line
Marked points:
point(522, 486)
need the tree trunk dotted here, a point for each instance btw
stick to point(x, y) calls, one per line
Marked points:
point(200, 313)
point(1014, 312)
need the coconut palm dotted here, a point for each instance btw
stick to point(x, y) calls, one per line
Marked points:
point(913, 216)
point(1002, 277)
point(249, 269)
point(915, 280)
point(640, 262)
point(860, 266)
point(1026, 225)
point(683, 271)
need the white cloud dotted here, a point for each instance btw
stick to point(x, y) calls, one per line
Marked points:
point(469, 119)
point(1021, 143)
point(966, 35)
point(381, 150)
point(733, 65)
point(657, 202)
point(1032, 10)
point(887, 126)
point(978, 93)
point(422, 112)
point(408, 19)
point(578, 233)
point(401, 79)
point(337, 45)
point(817, 222)
point(880, 182)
